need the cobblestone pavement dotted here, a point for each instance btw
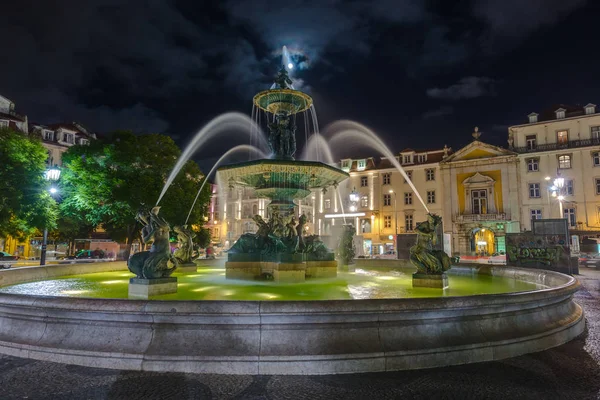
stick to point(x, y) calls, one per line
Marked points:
point(571, 371)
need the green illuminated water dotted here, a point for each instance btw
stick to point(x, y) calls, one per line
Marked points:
point(210, 284)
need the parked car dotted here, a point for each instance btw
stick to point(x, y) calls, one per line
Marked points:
point(589, 260)
point(88, 254)
point(7, 259)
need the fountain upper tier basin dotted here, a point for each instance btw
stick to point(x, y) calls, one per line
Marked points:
point(287, 337)
point(282, 178)
point(283, 101)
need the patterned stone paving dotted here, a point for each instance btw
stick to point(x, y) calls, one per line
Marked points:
point(571, 371)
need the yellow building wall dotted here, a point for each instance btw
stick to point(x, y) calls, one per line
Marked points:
point(12, 245)
point(495, 175)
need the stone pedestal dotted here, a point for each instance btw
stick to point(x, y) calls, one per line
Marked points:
point(249, 270)
point(187, 267)
point(430, 281)
point(289, 272)
point(321, 269)
point(144, 288)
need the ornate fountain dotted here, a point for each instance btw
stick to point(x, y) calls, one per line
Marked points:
point(279, 249)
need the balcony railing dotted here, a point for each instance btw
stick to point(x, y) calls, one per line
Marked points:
point(571, 144)
point(481, 217)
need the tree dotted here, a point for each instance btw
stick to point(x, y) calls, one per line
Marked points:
point(110, 180)
point(25, 204)
point(202, 238)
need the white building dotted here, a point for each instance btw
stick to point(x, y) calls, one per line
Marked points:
point(9, 118)
point(563, 142)
point(57, 138)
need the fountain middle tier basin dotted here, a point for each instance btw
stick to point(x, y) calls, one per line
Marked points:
point(282, 179)
point(288, 336)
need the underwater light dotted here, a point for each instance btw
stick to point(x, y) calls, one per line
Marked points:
point(290, 66)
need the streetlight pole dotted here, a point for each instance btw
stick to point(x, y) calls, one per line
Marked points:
point(51, 175)
point(395, 221)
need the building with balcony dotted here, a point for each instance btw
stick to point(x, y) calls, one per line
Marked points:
point(561, 142)
point(481, 192)
point(383, 203)
point(9, 118)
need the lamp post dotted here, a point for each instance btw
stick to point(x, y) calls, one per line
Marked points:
point(558, 191)
point(353, 197)
point(395, 212)
point(52, 175)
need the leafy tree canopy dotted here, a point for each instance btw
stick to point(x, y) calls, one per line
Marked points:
point(112, 178)
point(25, 203)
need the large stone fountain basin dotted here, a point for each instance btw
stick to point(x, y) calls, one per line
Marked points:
point(287, 337)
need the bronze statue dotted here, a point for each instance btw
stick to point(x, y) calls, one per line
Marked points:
point(282, 79)
point(154, 263)
point(186, 245)
point(422, 254)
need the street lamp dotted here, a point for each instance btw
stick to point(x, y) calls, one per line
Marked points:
point(354, 196)
point(395, 211)
point(52, 175)
point(559, 184)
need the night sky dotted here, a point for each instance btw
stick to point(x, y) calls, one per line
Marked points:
point(420, 73)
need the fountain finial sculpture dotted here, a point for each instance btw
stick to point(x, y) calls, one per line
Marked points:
point(153, 264)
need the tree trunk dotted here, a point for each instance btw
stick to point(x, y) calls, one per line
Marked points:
point(131, 231)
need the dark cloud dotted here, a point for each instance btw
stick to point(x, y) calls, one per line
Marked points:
point(469, 87)
point(172, 65)
point(438, 112)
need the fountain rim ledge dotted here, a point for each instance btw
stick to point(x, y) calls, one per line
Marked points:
point(278, 162)
point(290, 337)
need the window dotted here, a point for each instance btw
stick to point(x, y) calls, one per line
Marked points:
point(422, 158)
point(387, 178)
point(560, 113)
point(216, 216)
point(216, 201)
point(364, 181)
point(408, 198)
point(84, 142)
point(534, 190)
point(595, 132)
point(387, 199)
point(48, 135)
point(597, 180)
point(408, 222)
point(569, 214)
point(564, 162)
point(596, 158)
point(409, 174)
point(533, 117)
point(69, 138)
point(407, 159)
point(530, 141)
point(430, 174)
point(327, 204)
point(346, 165)
point(533, 165)
point(364, 201)
point(562, 137)
point(387, 221)
point(3, 123)
point(536, 214)
point(430, 196)
point(569, 189)
point(479, 201)
point(362, 164)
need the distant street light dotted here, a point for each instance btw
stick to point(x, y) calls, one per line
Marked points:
point(354, 197)
point(52, 174)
